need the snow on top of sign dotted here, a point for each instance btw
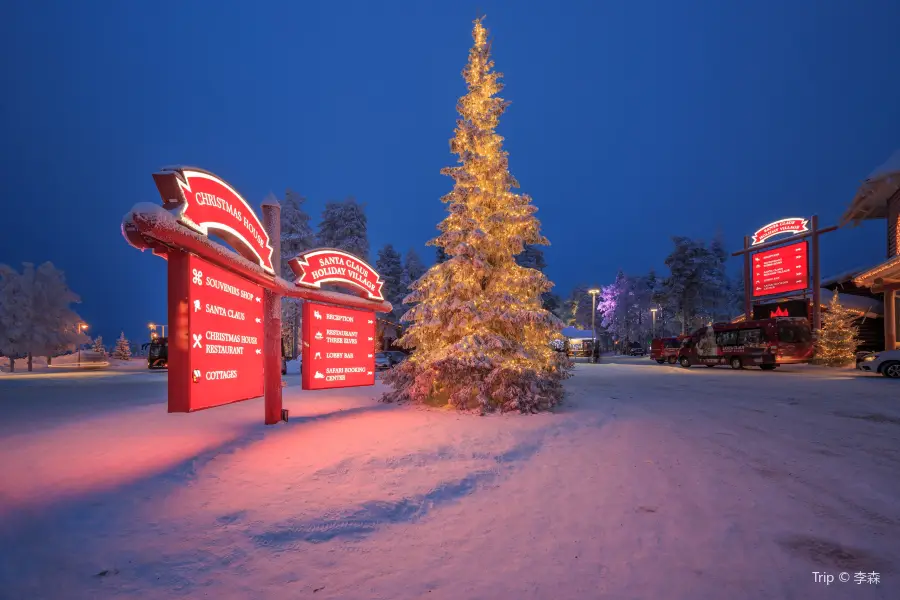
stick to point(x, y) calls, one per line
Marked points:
point(271, 200)
point(149, 211)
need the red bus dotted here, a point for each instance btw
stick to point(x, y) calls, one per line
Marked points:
point(766, 344)
point(666, 349)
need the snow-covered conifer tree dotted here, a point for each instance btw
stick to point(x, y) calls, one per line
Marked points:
point(838, 339)
point(344, 226)
point(578, 308)
point(122, 350)
point(390, 266)
point(481, 338)
point(97, 345)
point(413, 268)
point(297, 236)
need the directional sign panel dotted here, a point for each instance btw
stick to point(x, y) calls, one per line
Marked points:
point(781, 270)
point(224, 326)
point(338, 347)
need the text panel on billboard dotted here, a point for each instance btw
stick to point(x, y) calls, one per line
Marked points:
point(338, 347)
point(781, 270)
point(225, 316)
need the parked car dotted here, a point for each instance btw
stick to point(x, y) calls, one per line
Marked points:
point(396, 356)
point(887, 363)
point(636, 350)
point(383, 362)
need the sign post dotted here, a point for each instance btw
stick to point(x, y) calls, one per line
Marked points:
point(273, 399)
point(800, 230)
point(225, 306)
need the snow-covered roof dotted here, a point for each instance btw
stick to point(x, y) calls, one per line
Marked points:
point(842, 277)
point(573, 333)
point(871, 199)
point(870, 307)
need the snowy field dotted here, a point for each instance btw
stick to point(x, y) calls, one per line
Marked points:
point(654, 482)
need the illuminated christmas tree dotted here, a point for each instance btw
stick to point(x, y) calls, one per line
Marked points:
point(837, 340)
point(480, 336)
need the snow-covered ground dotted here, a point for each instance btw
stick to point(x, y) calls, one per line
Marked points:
point(87, 361)
point(653, 482)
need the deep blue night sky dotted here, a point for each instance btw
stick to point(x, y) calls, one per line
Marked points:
point(628, 124)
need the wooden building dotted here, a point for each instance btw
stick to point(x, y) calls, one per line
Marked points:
point(879, 198)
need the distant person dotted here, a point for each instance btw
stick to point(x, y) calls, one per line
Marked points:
point(595, 352)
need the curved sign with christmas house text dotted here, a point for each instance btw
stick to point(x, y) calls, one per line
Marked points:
point(792, 225)
point(329, 265)
point(207, 203)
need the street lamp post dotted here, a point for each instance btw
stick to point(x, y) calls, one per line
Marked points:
point(593, 292)
point(81, 328)
point(653, 330)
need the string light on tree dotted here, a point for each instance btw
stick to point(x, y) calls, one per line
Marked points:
point(838, 339)
point(481, 338)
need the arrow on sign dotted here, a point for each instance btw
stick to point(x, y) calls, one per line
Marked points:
point(258, 299)
point(370, 372)
point(258, 320)
point(258, 351)
point(370, 339)
point(370, 356)
point(370, 321)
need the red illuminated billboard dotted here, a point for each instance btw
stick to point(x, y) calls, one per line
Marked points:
point(781, 270)
point(338, 347)
point(216, 335)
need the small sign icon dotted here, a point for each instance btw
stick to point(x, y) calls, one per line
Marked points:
point(319, 335)
point(258, 351)
point(318, 376)
point(196, 375)
point(258, 320)
point(257, 298)
point(318, 355)
point(197, 276)
point(198, 340)
point(196, 305)
point(317, 315)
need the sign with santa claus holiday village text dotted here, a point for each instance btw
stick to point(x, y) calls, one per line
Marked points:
point(225, 330)
point(328, 265)
point(206, 203)
point(780, 270)
point(338, 347)
point(791, 225)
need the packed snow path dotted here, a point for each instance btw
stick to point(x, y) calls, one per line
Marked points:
point(652, 482)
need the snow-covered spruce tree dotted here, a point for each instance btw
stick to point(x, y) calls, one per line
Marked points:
point(97, 345)
point(296, 236)
point(838, 339)
point(344, 226)
point(123, 348)
point(389, 265)
point(481, 338)
point(413, 268)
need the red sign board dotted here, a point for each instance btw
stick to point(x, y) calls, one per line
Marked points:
point(327, 265)
point(216, 336)
point(207, 203)
point(791, 225)
point(338, 347)
point(781, 270)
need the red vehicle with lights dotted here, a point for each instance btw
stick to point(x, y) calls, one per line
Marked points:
point(664, 350)
point(767, 344)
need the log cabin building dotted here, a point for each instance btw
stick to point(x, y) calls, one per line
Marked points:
point(879, 198)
